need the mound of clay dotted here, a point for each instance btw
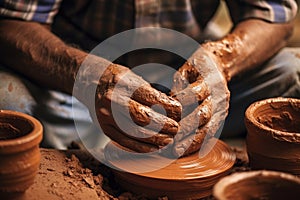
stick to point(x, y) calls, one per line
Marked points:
point(63, 176)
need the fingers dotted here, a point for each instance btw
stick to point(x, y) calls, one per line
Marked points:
point(194, 92)
point(140, 114)
point(145, 116)
point(146, 129)
point(193, 129)
point(127, 142)
point(141, 139)
point(200, 116)
point(184, 76)
point(138, 89)
point(191, 143)
point(132, 98)
point(123, 76)
point(131, 130)
point(149, 96)
point(192, 96)
point(197, 141)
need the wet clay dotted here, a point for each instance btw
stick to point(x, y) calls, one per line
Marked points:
point(68, 176)
point(172, 106)
point(181, 179)
point(127, 83)
point(13, 127)
point(7, 131)
point(75, 175)
point(227, 51)
point(282, 116)
point(141, 136)
point(192, 96)
point(20, 135)
point(273, 139)
point(135, 95)
point(258, 185)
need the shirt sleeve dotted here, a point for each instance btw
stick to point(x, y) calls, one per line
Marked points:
point(276, 11)
point(42, 11)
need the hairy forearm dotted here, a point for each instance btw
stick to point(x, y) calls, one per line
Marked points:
point(32, 50)
point(249, 44)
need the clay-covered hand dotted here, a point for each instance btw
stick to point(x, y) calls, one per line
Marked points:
point(125, 108)
point(200, 86)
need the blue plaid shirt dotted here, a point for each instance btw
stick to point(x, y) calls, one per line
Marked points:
point(96, 20)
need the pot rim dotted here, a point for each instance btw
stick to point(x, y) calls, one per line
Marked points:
point(220, 187)
point(23, 142)
point(277, 134)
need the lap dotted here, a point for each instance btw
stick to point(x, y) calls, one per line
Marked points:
point(58, 112)
point(280, 76)
point(15, 93)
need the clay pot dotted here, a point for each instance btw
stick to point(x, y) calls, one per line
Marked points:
point(273, 138)
point(20, 135)
point(258, 185)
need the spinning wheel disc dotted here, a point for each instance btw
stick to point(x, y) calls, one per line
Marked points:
point(187, 177)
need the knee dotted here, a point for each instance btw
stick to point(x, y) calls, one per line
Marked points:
point(15, 94)
point(288, 60)
point(287, 64)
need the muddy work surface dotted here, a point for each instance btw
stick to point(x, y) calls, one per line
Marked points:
point(74, 174)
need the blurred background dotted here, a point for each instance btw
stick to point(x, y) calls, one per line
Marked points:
point(222, 19)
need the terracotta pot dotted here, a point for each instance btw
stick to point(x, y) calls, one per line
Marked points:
point(273, 138)
point(258, 185)
point(20, 135)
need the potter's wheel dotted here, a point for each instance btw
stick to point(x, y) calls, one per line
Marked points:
point(185, 178)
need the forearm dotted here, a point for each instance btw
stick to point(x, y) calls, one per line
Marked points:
point(249, 44)
point(32, 50)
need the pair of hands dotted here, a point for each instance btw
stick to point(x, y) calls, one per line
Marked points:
point(143, 119)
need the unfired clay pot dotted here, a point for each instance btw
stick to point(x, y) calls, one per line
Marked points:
point(273, 138)
point(20, 135)
point(260, 184)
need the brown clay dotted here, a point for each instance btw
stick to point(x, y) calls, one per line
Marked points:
point(191, 143)
point(273, 139)
point(172, 106)
point(190, 177)
point(133, 86)
point(144, 139)
point(19, 151)
point(128, 142)
point(258, 185)
point(144, 115)
point(135, 97)
point(189, 88)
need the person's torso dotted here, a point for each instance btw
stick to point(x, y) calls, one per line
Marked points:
point(89, 22)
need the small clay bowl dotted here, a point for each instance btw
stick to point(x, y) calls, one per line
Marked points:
point(20, 135)
point(260, 184)
point(273, 138)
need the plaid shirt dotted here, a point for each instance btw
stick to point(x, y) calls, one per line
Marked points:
point(96, 20)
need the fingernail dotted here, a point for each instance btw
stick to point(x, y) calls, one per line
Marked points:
point(168, 141)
